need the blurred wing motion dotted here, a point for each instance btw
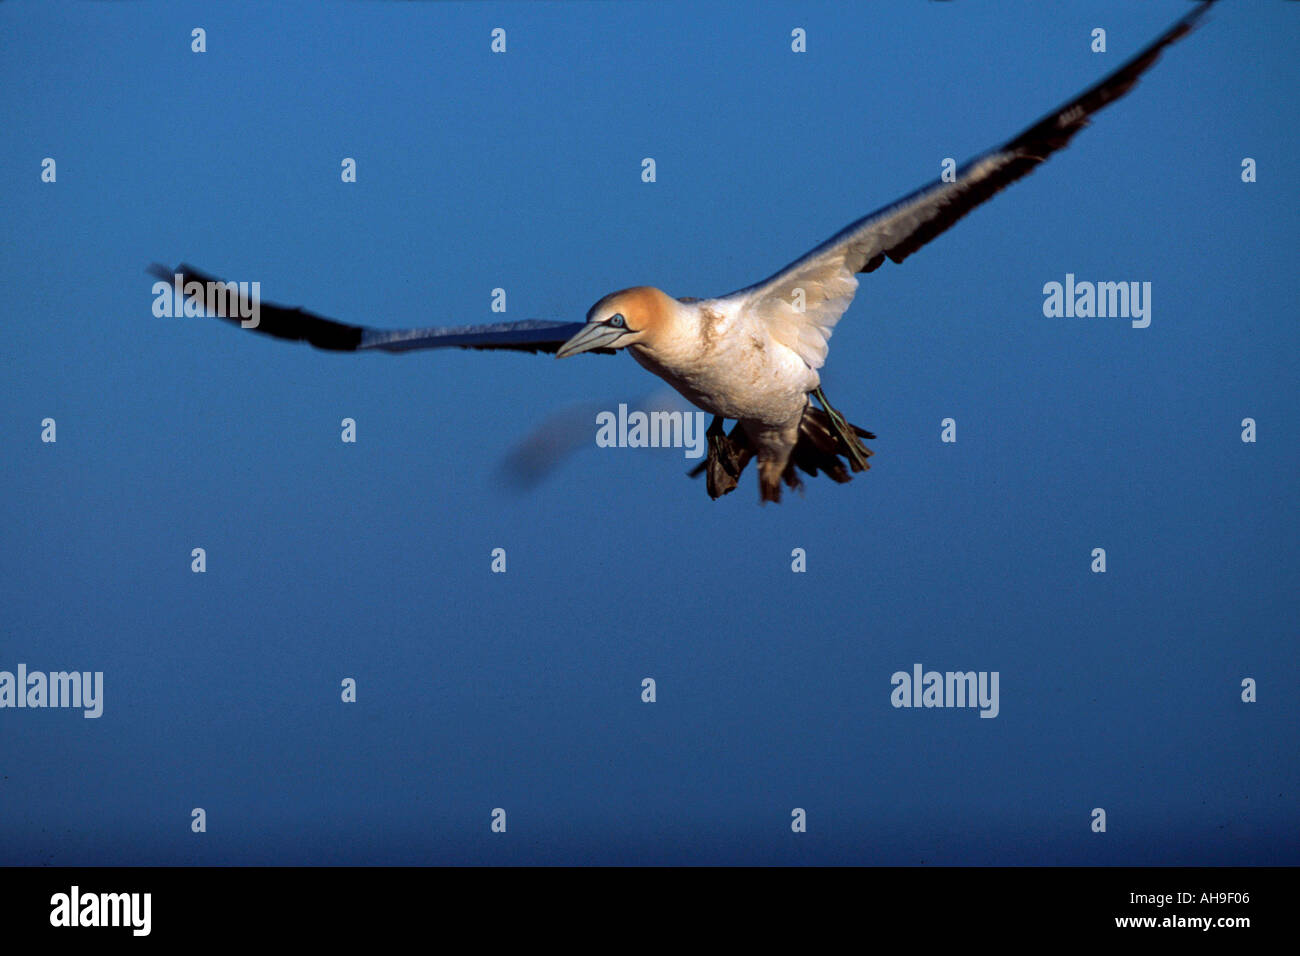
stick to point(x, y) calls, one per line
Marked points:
point(570, 430)
point(803, 320)
point(299, 325)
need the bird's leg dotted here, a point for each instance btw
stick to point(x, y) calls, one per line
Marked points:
point(856, 451)
point(723, 469)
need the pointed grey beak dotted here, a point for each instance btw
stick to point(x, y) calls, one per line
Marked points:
point(596, 335)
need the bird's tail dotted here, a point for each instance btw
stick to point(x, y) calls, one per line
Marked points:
point(820, 449)
point(821, 446)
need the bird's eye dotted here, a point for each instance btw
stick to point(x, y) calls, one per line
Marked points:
point(617, 321)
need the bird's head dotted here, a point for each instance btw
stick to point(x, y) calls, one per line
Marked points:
point(629, 317)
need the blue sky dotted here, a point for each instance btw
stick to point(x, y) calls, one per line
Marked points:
point(522, 690)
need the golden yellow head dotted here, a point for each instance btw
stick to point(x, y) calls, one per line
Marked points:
point(621, 319)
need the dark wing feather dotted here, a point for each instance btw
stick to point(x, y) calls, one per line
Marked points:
point(825, 279)
point(898, 230)
point(299, 325)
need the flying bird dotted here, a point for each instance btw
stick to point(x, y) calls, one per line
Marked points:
point(751, 356)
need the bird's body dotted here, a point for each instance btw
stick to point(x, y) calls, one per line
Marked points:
point(753, 356)
point(724, 356)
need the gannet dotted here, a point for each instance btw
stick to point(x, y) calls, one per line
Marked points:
point(751, 356)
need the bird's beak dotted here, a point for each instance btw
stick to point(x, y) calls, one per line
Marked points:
point(596, 335)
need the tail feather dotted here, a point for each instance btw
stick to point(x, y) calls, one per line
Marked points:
point(819, 450)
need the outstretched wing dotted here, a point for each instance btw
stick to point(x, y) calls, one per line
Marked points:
point(299, 325)
point(827, 274)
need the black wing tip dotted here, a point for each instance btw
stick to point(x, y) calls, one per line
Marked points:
point(298, 325)
point(274, 320)
point(1038, 142)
